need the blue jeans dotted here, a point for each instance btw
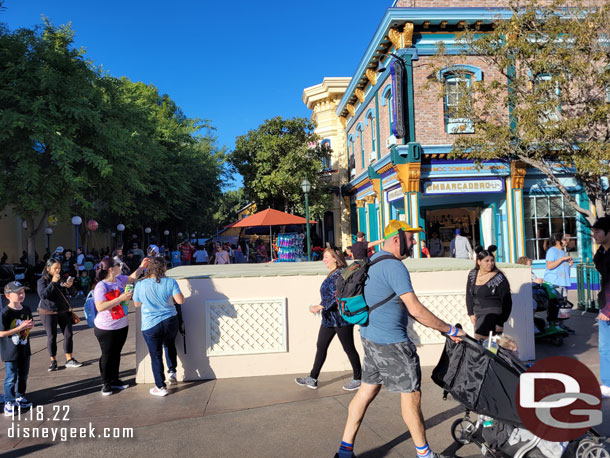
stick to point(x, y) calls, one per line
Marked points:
point(604, 352)
point(160, 335)
point(15, 380)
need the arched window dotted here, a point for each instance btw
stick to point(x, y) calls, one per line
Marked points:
point(370, 121)
point(386, 99)
point(457, 81)
point(351, 155)
point(548, 90)
point(360, 133)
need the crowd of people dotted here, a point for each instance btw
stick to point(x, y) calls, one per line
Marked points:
point(390, 357)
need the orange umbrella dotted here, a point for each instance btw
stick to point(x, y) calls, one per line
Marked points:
point(270, 217)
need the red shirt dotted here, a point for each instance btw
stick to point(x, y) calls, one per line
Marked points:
point(185, 251)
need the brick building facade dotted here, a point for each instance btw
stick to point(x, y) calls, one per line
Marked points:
point(411, 178)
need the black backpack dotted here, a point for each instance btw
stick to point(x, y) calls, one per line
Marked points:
point(350, 291)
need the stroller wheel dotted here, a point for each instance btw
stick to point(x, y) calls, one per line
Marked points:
point(462, 431)
point(557, 341)
point(597, 451)
point(583, 446)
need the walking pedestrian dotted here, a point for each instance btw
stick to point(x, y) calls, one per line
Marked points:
point(601, 234)
point(460, 247)
point(332, 324)
point(55, 310)
point(111, 321)
point(156, 294)
point(390, 358)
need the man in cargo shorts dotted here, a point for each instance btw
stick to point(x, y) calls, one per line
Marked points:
point(390, 358)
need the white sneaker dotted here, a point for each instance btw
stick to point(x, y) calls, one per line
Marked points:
point(605, 391)
point(172, 379)
point(158, 391)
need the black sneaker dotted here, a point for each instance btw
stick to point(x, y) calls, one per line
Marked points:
point(73, 363)
point(53, 366)
point(106, 389)
point(119, 385)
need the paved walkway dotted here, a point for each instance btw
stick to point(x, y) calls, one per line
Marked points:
point(254, 417)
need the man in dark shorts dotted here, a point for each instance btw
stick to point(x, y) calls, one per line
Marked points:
point(361, 247)
point(390, 358)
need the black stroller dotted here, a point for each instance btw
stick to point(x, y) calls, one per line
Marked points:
point(485, 383)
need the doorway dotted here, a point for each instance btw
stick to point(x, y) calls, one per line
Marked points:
point(446, 221)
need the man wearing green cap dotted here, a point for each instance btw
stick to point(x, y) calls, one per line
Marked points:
point(390, 358)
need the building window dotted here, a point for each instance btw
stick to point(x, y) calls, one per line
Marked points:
point(544, 216)
point(326, 160)
point(456, 98)
point(360, 131)
point(546, 89)
point(370, 120)
point(351, 156)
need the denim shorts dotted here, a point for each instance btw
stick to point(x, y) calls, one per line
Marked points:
point(394, 365)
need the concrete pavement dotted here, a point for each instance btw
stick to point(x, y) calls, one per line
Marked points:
point(254, 416)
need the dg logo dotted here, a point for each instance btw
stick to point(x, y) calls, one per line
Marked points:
point(559, 399)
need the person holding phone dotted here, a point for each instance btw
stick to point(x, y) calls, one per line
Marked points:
point(111, 322)
point(55, 310)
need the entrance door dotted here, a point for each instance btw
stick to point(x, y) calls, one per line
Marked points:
point(446, 221)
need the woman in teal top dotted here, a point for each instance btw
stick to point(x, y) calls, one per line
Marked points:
point(558, 264)
point(156, 295)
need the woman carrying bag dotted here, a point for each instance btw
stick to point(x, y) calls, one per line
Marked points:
point(55, 310)
point(332, 324)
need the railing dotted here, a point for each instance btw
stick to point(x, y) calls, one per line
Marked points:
point(588, 284)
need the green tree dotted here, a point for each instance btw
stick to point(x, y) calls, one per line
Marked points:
point(50, 125)
point(228, 205)
point(273, 161)
point(550, 106)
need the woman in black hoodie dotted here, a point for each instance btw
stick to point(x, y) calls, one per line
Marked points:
point(54, 310)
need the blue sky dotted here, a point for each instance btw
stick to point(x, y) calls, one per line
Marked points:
point(235, 64)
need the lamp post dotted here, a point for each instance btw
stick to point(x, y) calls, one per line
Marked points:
point(76, 221)
point(306, 187)
point(147, 230)
point(48, 231)
point(166, 234)
point(120, 228)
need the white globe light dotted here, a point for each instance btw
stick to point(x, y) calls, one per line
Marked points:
point(179, 234)
point(148, 230)
point(48, 231)
point(76, 220)
point(165, 232)
point(120, 227)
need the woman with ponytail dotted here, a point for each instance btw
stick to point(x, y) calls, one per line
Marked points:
point(488, 298)
point(111, 321)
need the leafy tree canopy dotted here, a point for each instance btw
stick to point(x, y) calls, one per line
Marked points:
point(275, 158)
point(75, 141)
point(549, 107)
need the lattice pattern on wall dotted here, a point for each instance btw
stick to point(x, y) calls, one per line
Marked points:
point(449, 307)
point(239, 327)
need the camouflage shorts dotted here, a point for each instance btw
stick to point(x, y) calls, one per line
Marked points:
point(394, 365)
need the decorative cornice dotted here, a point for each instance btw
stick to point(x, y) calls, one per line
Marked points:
point(360, 203)
point(385, 168)
point(331, 87)
point(370, 199)
point(350, 109)
point(360, 94)
point(395, 17)
point(343, 121)
point(371, 75)
point(407, 35)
